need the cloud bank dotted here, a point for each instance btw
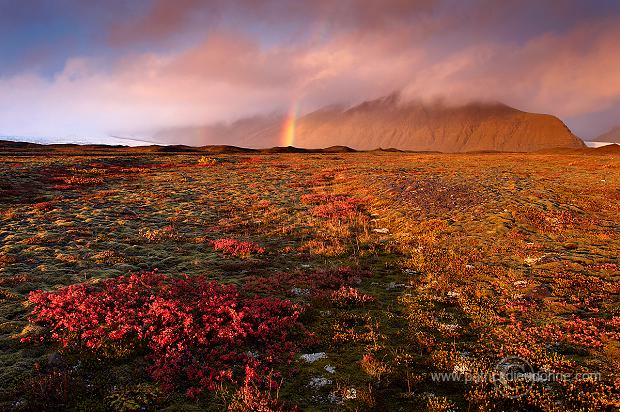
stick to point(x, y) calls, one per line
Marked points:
point(190, 62)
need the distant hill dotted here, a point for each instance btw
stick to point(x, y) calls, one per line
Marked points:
point(388, 122)
point(609, 149)
point(612, 136)
point(8, 147)
point(13, 148)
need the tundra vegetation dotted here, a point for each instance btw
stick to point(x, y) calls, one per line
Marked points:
point(307, 281)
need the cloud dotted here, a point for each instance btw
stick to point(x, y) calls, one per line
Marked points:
point(344, 55)
point(158, 21)
point(567, 74)
point(224, 77)
point(161, 19)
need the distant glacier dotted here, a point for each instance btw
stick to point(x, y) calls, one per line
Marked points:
point(108, 140)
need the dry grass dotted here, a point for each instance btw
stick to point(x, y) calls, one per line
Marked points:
point(471, 258)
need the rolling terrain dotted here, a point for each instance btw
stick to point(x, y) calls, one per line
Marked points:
point(317, 281)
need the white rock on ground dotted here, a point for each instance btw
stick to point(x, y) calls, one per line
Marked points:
point(394, 285)
point(350, 393)
point(319, 382)
point(530, 260)
point(300, 292)
point(313, 357)
point(520, 283)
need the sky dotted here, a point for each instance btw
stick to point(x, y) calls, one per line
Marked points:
point(95, 69)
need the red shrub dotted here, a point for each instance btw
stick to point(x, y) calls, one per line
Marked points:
point(318, 198)
point(373, 366)
point(15, 279)
point(347, 296)
point(10, 192)
point(83, 181)
point(336, 210)
point(333, 206)
point(62, 187)
point(237, 248)
point(253, 397)
point(158, 235)
point(43, 206)
point(318, 282)
point(197, 333)
point(590, 332)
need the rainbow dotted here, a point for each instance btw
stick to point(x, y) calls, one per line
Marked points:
point(289, 126)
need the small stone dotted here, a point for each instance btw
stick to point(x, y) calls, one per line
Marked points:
point(449, 327)
point(530, 260)
point(394, 285)
point(300, 292)
point(319, 382)
point(350, 393)
point(330, 369)
point(334, 398)
point(461, 368)
point(313, 357)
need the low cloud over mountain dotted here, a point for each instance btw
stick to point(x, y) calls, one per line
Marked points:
point(390, 123)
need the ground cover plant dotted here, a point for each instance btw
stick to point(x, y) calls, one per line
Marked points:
point(197, 333)
point(307, 281)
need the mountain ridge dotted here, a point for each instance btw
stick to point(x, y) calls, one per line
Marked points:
point(390, 122)
point(611, 136)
